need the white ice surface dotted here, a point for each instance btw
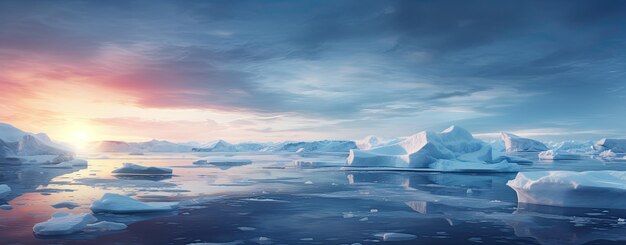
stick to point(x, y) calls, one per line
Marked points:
point(514, 143)
point(592, 189)
point(115, 203)
point(63, 224)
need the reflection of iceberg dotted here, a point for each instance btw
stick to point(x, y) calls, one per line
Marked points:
point(555, 225)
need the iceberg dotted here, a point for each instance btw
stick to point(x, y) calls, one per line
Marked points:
point(5, 190)
point(555, 155)
point(615, 145)
point(316, 146)
point(63, 224)
point(452, 149)
point(119, 204)
point(514, 143)
point(590, 189)
point(222, 161)
point(136, 169)
point(29, 145)
point(78, 162)
point(219, 146)
point(608, 154)
point(573, 147)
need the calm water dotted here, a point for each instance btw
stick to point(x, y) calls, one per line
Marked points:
point(287, 205)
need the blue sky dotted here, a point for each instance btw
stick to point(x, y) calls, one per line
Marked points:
point(317, 69)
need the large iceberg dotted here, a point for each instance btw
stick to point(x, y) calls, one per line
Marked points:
point(581, 147)
point(590, 189)
point(615, 145)
point(63, 224)
point(514, 143)
point(556, 155)
point(119, 204)
point(136, 169)
point(452, 149)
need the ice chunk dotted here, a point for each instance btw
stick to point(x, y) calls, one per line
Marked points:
point(136, 169)
point(554, 155)
point(591, 189)
point(608, 154)
point(63, 224)
point(222, 161)
point(5, 190)
point(115, 203)
point(395, 236)
point(615, 145)
point(514, 143)
point(454, 149)
point(105, 226)
point(69, 205)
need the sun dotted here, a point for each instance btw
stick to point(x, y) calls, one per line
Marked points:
point(80, 138)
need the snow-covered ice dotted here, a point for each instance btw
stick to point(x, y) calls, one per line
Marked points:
point(591, 189)
point(555, 155)
point(514, 143)
point(452, 149)
point(615, 145)
point(115, 203)
point(5, 190)
point(136, 169)
point(63, 224)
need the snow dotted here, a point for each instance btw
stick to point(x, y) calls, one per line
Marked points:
point(555, 155)
point(590, 189)
point(66, 204)
point(105, 226)
point(609, 154)
point(5, 190)
point(514, 143)
point(136, 169)
point(119, 204)
point(454, 149)
point(222, 161)
point(615, 145)
point(63, 224)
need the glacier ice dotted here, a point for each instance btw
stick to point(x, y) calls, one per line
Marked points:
point(120, 204)
point(514, 143)
point(556, 155)
point(452, 149)
point(136, 169)
point(5, 190)
point(615, 145)
point(63, 224)
point(589, 189)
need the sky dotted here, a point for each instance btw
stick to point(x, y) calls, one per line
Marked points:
point(306, 70)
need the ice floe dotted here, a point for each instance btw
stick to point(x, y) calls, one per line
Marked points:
point(136, 169)
point(115, 203)
point(591, 189)
point(451, 150)
point(395, 236)
point(63, 224)
point(514, 143)
point(555, 155)
point(5, 190)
